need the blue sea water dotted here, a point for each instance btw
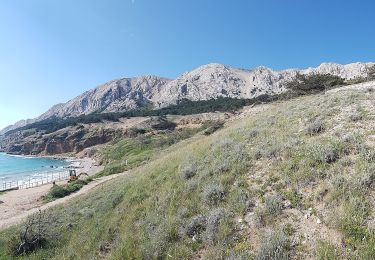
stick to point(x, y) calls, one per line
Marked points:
point(13, 168)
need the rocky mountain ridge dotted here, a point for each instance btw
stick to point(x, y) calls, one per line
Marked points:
point(206, 82)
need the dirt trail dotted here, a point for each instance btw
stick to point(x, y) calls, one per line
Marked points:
point(19, 204)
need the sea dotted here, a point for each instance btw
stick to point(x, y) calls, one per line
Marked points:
point(18, 168)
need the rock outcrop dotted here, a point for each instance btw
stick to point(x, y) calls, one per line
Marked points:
point(206, 82)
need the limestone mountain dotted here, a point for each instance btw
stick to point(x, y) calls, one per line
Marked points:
point(206, 82)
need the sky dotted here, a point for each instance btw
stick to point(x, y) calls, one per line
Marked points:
point(52, 51)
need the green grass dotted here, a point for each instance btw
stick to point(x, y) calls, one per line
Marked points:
point(129, 153)
point(188, 195)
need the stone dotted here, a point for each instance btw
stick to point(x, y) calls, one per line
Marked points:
point(287, 204)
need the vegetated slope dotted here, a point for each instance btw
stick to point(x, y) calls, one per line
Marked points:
point(287, 179)
point(55, 135)
point(204, 83)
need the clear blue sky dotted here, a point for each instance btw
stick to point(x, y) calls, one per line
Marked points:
point(51, 51)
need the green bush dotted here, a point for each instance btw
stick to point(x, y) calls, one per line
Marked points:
point(310, 84)
point(58, 191)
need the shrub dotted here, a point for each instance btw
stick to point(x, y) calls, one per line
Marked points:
point(240, 201)
point(330, 154)
point(36, 232)
point(58, 191)
point(274, 246)
point(215, 219)
point(315, 127)
point(196, 225)
point(189, 171)
point(273, 151)
point(366, 178)
point(367, 153)
point(288, 229)
point(273, 205)
point(213, 194)
point(75, 186)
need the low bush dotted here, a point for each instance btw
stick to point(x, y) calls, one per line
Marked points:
point(196, 225)
point(213, 194)
point(315, 127)
point(273, 205)
point(37, 232)
point(58, 191)
point(275, 246)
point(241, 200)
point(218, 220)
point(189, 171)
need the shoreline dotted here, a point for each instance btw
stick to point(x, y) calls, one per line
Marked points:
point(14, 203)
point(85, 165)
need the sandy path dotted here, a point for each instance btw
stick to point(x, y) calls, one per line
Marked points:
point(17, 204)
point(21, 203)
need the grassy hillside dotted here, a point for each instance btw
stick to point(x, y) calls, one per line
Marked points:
point(292, 179)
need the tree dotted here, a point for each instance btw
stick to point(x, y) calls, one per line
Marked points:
point(309, 84)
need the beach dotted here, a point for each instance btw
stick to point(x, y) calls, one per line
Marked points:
point(19, 202)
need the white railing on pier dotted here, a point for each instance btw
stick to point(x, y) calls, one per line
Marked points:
point(34, 181)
